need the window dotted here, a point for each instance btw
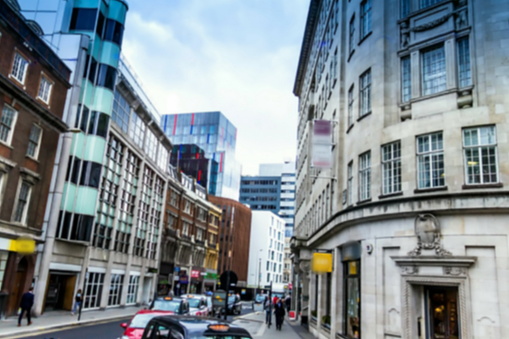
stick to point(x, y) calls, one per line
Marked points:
point(34, 140)
point(75, 226)
point(351, 36)
point(20, 212)
point(351, 288)
point(349, 185)
point(350, 106)
point(19, 68)
point(365, 93)
point(7, 123)
point(430, 161)
point(93, 290)
point(427, 3)
point(406, 83)
point(464, 73)
point(433, 71)
point(365, 176)
point(114, 31)
point(132, 289)
point(83, 19)
point(365, 18)
point(121, 111)
point(44, 89)
point(480, 149)
point(391, 168)
point(404, 8)
point(117, 281)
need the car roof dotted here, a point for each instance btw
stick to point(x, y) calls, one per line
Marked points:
point(168, 298)
point(195, 324)
point(153, 311)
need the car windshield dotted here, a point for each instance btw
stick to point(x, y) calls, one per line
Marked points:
point(194, 303)
point(141, 320)
point(165, 305)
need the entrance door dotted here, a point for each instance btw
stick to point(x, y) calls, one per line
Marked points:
point(59, 295)
point(442, 312)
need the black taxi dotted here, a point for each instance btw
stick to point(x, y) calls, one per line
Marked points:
point(192, 327)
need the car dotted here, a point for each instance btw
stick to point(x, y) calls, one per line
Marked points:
point(174, 304)
point(234, 305)
point(199, 304)
point(135, 327)
point(259, 299)
point(192, 327)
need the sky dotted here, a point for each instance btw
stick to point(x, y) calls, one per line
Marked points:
point(235, 56)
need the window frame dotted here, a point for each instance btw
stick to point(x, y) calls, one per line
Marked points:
point(391, 168)
point(8, 127)
point(20, 216)
point(365, 22)
point(428, 78)
point(365, 93)
point(479, 147)
point(365, 176)
point(19, 67)
point(34, 146)
point(434, 164)
point(45, 89)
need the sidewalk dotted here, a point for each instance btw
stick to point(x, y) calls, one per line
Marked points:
point(56, 319)
point(255, 324)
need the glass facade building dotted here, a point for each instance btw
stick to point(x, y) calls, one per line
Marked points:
point(217, 136)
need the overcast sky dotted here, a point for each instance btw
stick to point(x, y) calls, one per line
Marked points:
point(235, 56)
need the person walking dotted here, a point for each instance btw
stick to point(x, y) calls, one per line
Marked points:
point(267, 306)
point(288, 303)
point(279, 311)
point(27, 301)
point(77, 302)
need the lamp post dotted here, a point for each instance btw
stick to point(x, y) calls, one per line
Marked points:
point(259, 269)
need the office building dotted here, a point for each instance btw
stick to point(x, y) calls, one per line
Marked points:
point(217, 136)
point(401, 172)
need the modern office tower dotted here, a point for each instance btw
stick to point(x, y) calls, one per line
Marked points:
point(414, 207)
point(234, 240)
point(272, 190)
point(33, 88)
point(217, 136)
point(88, 36)
point(266, 250)
point(191, 160)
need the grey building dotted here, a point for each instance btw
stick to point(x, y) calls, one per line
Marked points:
point(414, 207)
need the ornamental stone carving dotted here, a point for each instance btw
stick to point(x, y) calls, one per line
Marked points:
point(427, 230)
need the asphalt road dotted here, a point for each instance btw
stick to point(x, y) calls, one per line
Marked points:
point(106, 330)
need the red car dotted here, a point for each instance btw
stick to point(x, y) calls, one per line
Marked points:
point(134, 329)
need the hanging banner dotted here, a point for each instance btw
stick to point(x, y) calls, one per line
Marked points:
point(321, 145)
point(321, 262)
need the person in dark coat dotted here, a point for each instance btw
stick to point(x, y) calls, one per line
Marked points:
point(279, 311)
point(27, 301)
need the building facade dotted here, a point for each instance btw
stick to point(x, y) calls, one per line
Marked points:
point(33, 88)
point(414, 206)
point(266, 250)
point(234, 244)
point(217, 136)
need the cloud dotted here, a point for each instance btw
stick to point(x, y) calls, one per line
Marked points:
point(238, 57)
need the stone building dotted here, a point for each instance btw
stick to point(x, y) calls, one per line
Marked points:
point(33, 88)
point(413, 206)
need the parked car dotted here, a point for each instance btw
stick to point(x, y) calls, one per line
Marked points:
point(219, 304)
point(198, 304)
point(192, 327)
point(173, 304)
point(135, 327)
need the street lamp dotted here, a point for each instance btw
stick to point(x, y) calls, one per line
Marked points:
point(259, 268)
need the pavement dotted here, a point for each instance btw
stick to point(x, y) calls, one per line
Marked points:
point(49, 321)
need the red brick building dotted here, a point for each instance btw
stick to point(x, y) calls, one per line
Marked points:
point(33, 89)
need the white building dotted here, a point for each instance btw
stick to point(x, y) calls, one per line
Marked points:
point(266, 249)
point(415, 206)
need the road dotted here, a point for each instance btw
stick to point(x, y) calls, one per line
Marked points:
point(105, 330)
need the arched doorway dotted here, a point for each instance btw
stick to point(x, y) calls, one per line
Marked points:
point(18, 287)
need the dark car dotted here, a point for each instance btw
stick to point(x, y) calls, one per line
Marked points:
point(173, 304)
point(192, 327)
point(219, 304)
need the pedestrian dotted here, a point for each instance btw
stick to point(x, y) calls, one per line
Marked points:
point(267, 306)
point(77, 302)
point(27, 301)
point(279, 311)
point(288, 302)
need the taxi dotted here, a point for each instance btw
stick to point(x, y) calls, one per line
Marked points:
point(192, 327)
point(172, 304)
point(199, 304)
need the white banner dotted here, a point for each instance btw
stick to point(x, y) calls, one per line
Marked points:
point(321, 146)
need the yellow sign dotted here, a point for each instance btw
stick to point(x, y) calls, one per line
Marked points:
point(24, 246)
point(321, 262)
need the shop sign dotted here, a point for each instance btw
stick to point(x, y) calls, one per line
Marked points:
point(195, 274)
point(184, 279)
point(210, 276)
